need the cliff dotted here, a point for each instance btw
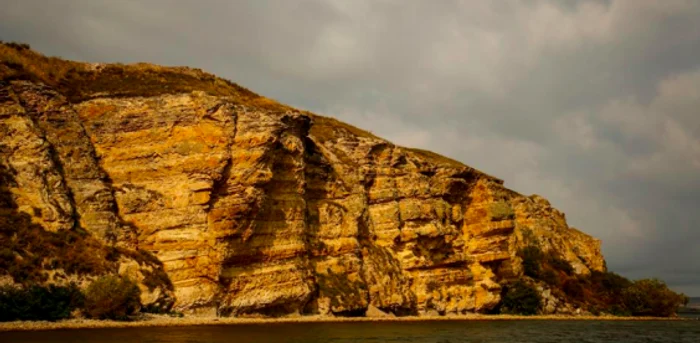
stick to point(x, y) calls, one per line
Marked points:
point(218, 200)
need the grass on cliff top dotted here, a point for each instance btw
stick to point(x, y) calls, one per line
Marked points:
point(79, 81)
point(18, 61)
point(324, 128)
point(83, 81)
point(436, 158)
point(449, 162)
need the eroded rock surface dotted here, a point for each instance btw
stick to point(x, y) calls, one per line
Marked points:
point(255, 209)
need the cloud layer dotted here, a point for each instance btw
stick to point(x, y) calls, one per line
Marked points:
point(592, 104)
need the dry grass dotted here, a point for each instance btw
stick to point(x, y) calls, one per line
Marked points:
point(28, 251)
point(448, 162)
point(437, 158)
point(19, 62)
point(82, 81)
point(326, 129)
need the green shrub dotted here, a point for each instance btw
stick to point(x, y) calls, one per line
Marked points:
point(18, 46)
point(600, 291)
point(550, 277)
point(619, 310)
point(608, 283)
point(501, 211)
point(112, 297)
point(573, 289)
point(39, 302)
point(561, 264)
point(685, 300)
point(520, 298)
point(7, 256)
point(28, 250)
point(532, 260)
point(651, 297)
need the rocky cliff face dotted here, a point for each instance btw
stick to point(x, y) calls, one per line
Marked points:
point(251, 207)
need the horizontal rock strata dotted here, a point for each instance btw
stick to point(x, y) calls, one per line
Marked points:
point(265, 210)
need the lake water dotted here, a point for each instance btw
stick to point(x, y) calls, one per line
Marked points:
point(368, 332)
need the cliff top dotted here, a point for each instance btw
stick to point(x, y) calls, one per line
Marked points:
point(80, 81)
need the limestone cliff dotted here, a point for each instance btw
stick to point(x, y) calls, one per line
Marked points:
point(252, 207)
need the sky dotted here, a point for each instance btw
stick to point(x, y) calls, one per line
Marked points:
point(594, 105)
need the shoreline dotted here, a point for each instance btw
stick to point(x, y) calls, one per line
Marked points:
point(167, 321)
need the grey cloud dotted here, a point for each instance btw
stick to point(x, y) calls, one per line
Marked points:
point(592, 104)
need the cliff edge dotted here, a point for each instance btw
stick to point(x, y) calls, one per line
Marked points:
point(218, 200)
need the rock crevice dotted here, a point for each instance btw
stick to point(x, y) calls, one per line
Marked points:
point(254, 208)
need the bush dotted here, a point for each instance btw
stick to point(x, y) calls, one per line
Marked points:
point(550, 277)
point(651, 297)
point(561, 264)
point(600, 291)
point(18, 46)
point(501, 211)
point(520, 298)
point(573, 289)
point(609, 283)
point(39, 302)
point(28, 250)
point(532, 259)
point(112, 297)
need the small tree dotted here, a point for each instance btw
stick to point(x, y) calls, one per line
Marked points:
point(572, 287)
point(561, 264)
point(651, 297)
point(532, 260)
point(39, 302)
point(520, 298)
point(112, 297)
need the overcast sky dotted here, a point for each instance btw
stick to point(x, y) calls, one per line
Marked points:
point(594, 105)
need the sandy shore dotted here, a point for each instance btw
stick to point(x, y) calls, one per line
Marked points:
point(161, 321)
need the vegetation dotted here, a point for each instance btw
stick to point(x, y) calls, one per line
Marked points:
point(437, 158)
point(28, 251)
point(39, 302)
point(81, 81)
point(601, 291)
point(324, 128)
point(112, 297)
point(18, 46)
point(520, 298)
point(108, 297)
point(651, 297)
point(501, 210)
point(532, 257)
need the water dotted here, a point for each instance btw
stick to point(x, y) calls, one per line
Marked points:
point(367, 332)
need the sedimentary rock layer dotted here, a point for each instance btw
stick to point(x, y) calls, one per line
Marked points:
point(259, 209)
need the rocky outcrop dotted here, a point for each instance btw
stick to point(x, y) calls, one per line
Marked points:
point(53, 189)
point(254, 208)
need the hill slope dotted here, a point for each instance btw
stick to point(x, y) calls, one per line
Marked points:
point(222, 201)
